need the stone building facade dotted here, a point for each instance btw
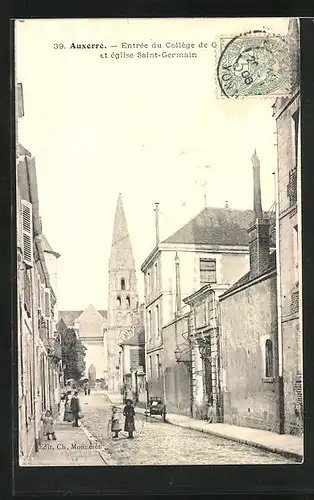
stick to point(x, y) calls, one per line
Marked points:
point(211, 248)
point(248, 332)
point(286, 112)
point(89, 325)
point(205, 350)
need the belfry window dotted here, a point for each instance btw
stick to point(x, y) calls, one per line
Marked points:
point(118, 301)
point(269, 359)
point(123, 284)
point(128, 301)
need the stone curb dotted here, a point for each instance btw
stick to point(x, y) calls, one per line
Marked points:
point(278, 451)
point(104, 455)
point(261, 446)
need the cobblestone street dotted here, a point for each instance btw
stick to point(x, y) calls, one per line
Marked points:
point(158, 443)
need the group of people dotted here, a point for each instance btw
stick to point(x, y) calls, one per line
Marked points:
point(72, 413)
point(129, 424)
point(72, 408)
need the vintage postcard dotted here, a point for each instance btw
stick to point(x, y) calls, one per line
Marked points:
point(158, 242)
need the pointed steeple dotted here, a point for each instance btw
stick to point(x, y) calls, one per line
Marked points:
point(121, 256)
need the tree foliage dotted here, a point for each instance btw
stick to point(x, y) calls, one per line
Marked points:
point(73, 354)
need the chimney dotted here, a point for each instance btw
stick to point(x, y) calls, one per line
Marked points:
point(226, 205)
point(257, 187)
point(157, 222)
point(178, 285)
point(259, 231)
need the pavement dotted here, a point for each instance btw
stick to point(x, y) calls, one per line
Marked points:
point(282, 444)
point(74, 446)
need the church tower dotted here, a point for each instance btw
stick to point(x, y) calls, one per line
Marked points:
point(122, 297)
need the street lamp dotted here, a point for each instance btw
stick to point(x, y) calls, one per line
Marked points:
point(178, 356)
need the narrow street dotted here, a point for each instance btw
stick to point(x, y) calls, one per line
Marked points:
point(158, 443)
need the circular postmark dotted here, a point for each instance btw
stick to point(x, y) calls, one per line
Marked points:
point(254, 64)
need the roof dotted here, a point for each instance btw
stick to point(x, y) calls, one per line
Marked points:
point(248, 276)
point(121, 256)
point(137, 339)
point(23, 151)
point(47, 247)
point(216, 226)
point(70, 316)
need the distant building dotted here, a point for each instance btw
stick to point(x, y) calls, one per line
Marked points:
point(212, 248)
point(248, 330)
point(132, 362)
point(286, 112)
point(89, 325)
point(122, 298)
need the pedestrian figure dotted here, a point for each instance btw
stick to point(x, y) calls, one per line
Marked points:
point(88, 390)
point(115, 423)
point(85, 388)
point(210, 414)
point(49, 426)
point(129, 412)
point(68, 415)
point(75, 408)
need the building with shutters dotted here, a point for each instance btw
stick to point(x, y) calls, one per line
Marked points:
point(286, 112)
point(39, 352)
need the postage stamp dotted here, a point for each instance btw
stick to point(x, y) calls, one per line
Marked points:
point(253, 64)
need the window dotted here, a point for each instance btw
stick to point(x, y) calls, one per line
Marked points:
point(296, 135)
point(207, 271)
point(47, 303)
point(269, 359)
point(118, 301)
point(150, 366)
point(156, 277)
point(295, 248)
point(128, 301)
point(148, 284)
point(123, 284)
point(157, 320)
point(150, 326)
point(158, 366)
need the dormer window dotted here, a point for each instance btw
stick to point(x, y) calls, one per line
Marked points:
point(123, 284)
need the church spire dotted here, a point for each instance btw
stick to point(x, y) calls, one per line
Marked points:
point(121, 251)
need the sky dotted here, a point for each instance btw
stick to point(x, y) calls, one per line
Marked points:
point(153, 130)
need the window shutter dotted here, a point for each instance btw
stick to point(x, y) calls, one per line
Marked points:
point(47, 303)
point(27, 228)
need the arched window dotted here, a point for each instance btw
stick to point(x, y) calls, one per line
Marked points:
point(128, 301)
point(118, 301)
point(123, 284)
point(269, 359)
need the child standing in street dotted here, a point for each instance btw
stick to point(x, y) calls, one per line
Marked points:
point(129, 413)
point(115, 423)
point(49, 426)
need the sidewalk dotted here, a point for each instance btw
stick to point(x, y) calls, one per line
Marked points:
point(282, 444)
point(72, 447)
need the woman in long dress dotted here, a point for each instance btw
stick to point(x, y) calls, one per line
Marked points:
point(68, 415)
point(129, 412)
